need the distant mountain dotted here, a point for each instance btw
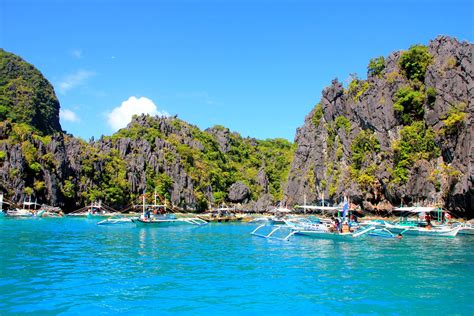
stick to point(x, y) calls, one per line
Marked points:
point(404, 135)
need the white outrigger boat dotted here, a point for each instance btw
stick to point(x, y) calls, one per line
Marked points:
point(420, 228)
point(164, 220)
point(280, 214)
point(28, 209)
point(466, 229)
point(315, 229)
point(95, 210)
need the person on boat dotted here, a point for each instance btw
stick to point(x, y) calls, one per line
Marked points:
point(345, 227)
point(428, 219)
point(447, 217)
point(337, 224)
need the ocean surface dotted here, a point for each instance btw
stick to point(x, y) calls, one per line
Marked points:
point(73, 266)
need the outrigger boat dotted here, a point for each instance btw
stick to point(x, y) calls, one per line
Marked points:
point(311, 230)
point(315, 229)
point(466, 229)
point(2, 212)
point(420, 228)
point(95, 210)
point(164, 220)
point(28, 209)
point(280, 214)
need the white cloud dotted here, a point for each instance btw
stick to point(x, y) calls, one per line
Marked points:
point(76, 53)
point(68, 115)
point(73, 80)
point(120, 116)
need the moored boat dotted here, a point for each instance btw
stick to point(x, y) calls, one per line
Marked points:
point(419, 227)
point(152, 216)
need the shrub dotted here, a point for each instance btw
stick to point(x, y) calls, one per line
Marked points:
point(28, 191)
point(416, 142)
point(415, 61)
point(392, 76)
point(68, 189)
point(318, 114)
point(455, 118)
point(39, 186)
point(409, 104)
point(376, 66)
point(342, 121)
point(357, 88)
point(365, 144)
point(451, 63)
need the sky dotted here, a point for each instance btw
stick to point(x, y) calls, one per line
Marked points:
point(257, 67)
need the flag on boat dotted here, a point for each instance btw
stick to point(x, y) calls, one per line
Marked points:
point(345, 208)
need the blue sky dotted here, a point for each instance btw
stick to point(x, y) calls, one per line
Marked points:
point(257, 67)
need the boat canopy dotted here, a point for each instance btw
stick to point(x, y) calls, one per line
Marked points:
point(281, 210)
point(415, 209)
point(319, 208)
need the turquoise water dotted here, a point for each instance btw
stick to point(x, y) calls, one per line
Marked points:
point(73, 266)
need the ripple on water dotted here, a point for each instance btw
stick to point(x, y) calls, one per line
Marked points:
point(73, 266)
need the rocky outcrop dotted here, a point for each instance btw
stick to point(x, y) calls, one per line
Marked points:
point(324, 164)
point(239, 193)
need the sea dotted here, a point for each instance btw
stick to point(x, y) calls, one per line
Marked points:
point(76, 267)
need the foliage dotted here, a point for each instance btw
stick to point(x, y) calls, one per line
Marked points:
point(3, 155)
point(357, 88)
point(28, 191)
point(342, 121)
point(318, 114)
point(416, 142)
point(392, 76)
point(364, 177)
point(455, 118)
point(68, 189)
point(409, 104)
point(38, 186)
point(451, 63)
point(26, 96)
point(414, 62)
point(331, 137)
point(376, 66)
point(364, 146)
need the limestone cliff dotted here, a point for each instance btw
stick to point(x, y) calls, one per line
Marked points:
point(401, 136)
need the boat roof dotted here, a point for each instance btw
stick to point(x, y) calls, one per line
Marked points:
point(415, 209)
point(281, 210)
point(320, 208)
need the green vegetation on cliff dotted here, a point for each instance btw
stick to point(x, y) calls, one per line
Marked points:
point(417, 142)
point(26, 96)
point(414, 62)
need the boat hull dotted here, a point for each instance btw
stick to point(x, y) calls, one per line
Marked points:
point(420, 231)
point(466, 231)
point(159, 223)
point(326, 235)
